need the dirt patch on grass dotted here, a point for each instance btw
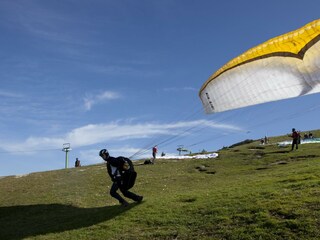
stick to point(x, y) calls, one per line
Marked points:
point(303, 157)
point(271, 164)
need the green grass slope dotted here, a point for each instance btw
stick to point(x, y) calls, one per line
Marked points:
point(251, 191)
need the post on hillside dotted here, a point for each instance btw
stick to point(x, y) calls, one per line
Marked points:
point(66, 148)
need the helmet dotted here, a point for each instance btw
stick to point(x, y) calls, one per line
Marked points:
point(104, 151)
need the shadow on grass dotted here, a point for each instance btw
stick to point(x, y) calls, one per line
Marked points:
point(18, 222)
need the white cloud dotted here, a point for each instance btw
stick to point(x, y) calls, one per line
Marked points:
point(90, 156)
point(91, 100)
point(112, 132)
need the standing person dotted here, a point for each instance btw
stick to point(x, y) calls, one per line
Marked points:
point(295, 139)
point(77, 163)
point(122, 174)
point(154, 153)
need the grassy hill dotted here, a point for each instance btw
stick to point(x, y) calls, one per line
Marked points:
point(250, 191)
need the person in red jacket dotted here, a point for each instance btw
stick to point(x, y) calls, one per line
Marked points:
point(122, 174)
point(295, 139)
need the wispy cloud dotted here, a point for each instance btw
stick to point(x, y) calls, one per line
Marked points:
point(112, 132)
point(175, 89)
point(10, 94)
point(91, 99)
point(44, 22)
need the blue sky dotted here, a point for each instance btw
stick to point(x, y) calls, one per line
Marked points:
point(125, 75)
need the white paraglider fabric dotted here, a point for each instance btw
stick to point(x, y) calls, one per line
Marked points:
point(284, 67)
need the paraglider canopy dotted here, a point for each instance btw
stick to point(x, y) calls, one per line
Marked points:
point(283, 67)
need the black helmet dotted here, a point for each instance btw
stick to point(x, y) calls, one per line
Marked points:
point(104, 151)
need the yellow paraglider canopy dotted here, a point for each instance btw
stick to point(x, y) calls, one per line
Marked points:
point(279, 59)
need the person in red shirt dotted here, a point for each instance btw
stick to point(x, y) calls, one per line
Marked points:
point(295, 139)
point(154, 153)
